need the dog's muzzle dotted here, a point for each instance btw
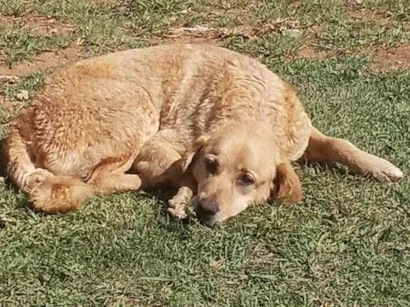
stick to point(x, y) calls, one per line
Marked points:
point(206, 210)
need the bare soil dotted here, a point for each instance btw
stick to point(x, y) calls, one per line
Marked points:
point(393, 58)
point(44, 60)
point(40, 25)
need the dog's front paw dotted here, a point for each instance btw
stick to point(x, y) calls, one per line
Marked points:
point(179, 202)
point(179, 213)
point(177, 207)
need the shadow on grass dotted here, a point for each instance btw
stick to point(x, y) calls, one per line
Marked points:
point(3, 170)
point(324, 166)
point(163, 195)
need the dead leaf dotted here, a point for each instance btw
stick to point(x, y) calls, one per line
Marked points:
point(217, 264)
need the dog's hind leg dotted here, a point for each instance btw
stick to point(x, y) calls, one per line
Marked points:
point(322, 148)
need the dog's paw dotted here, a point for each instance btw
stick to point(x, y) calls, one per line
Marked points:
point(178, 204)
point(383, 170)
point(177, 207)
point(179, 213)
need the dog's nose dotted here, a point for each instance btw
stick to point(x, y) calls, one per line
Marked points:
point(208, 207)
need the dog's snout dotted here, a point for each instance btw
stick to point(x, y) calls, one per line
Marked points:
point(208, 206)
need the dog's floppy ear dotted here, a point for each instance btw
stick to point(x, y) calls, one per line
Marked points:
point(190, 154)
point(286, 186)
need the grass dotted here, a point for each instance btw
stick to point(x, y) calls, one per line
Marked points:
point(31, 83)
point(347, 244)
point(20, 44)
point(12, 8)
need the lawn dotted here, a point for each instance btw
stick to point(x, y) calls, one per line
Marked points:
point(346, 244)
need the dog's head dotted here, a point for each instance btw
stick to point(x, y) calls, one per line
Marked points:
point(234, 168)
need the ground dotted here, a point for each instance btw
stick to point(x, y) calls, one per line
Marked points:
point(346, 244)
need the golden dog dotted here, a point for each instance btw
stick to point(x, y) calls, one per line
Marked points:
point(216, 124)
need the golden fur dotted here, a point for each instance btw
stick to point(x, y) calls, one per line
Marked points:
point(216, 124)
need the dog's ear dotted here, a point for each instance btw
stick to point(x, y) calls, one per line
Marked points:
point(286, 186)
point(189, 156)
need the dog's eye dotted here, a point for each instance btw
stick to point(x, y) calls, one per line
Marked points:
point(211, 166)
point(245, 180)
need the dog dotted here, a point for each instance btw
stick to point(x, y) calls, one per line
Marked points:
point(217, 125)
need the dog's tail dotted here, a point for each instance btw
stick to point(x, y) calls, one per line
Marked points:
point(49, 193)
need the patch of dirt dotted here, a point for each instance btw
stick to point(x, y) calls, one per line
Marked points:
point(392, 58)
point(316, 30)
point(44, 60)
point(380, 18)
point(216, 36)
point(312, 37)
point(5, 104)
point(40, 25)
point(217, 265)
point(308, 52)
point(257, 3)
point(12, 106)
point(106, 2)
point(192, 35)
point(385, 59)
point(295, 5)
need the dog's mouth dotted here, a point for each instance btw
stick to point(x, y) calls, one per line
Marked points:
point(208, 220)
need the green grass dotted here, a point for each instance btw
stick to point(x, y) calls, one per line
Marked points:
point(347, 244)
point(12, 8)
point(20, 44)
point(30, 83)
